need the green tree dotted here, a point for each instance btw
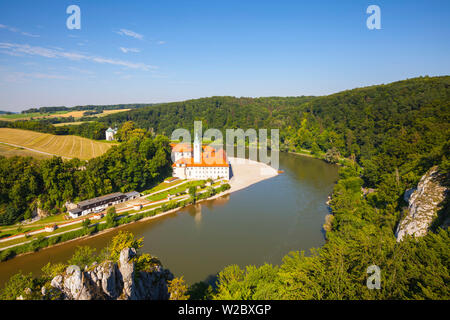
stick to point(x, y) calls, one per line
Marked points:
point(332, 155)
point(111, 217)
point(86, 223)
point(83, 256)
point(178, 289)
point(16, 286)
point(124, 239)
point(50, 270)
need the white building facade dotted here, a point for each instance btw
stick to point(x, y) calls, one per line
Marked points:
point(201, 162)
point(110, 134)
point(99, 204)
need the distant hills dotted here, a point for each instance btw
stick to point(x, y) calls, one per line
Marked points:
point(399, 122)
point(98, 108)
point(379, 103)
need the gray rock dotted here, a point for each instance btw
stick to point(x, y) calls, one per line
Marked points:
point(126, 268)
point(57, 282)
point(424, 203)
point(110, 281)
point(408, 194)
point(74, 286)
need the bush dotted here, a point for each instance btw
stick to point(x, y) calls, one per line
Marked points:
point(86, 223)
point(332, 155)
point(7, 254)
point(123, 240)
point(111, 218)
point(83, 256)
point(16, 286)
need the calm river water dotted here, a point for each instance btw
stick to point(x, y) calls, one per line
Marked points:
point(259, 224)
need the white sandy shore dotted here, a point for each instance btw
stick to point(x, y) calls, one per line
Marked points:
point(247, 172)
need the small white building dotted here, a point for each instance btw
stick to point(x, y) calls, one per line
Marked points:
point(110, 134)
point(50, 228)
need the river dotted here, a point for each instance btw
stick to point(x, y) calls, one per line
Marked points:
point(249, 227)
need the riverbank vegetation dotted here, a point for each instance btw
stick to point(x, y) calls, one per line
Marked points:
point(112, 220)
point(29, 184)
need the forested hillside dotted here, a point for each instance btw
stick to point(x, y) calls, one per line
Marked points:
point(382, 126)
point(215, 112)
point(391, 135)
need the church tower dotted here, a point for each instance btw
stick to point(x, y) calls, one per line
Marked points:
point(197, 149)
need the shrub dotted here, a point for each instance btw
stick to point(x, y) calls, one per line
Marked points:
point(83, 256)
point(123, 240)
point(16, 286)
point(111, 218)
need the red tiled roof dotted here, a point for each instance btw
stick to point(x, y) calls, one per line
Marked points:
point(209, 159)
point(186, 147)
point(181, 147)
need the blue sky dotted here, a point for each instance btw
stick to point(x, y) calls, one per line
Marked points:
point(158, 51)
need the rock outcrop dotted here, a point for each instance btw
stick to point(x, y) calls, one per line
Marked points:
point(111, 281)
point(424, 203)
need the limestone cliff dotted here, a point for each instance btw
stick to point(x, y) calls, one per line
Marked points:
point(111, 281)
point(423, 205)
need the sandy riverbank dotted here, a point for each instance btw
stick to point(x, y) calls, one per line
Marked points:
point(248, 172)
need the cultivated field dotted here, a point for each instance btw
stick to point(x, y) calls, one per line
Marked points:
point(57, 114)
point(70, 123)
point(10, 151)
point(44, 143)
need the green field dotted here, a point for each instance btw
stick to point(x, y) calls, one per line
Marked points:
point(34, 115)
point(64, 146)
point(56, 114)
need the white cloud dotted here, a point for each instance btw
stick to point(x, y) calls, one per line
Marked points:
point(126, 50)
point(84, 71)
point(161, 42)
point(30, 35)
point(12, 29)
point(130, 33)
point(22, 76)
point(46, 76)
point(2, 26)
point(25, 49)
